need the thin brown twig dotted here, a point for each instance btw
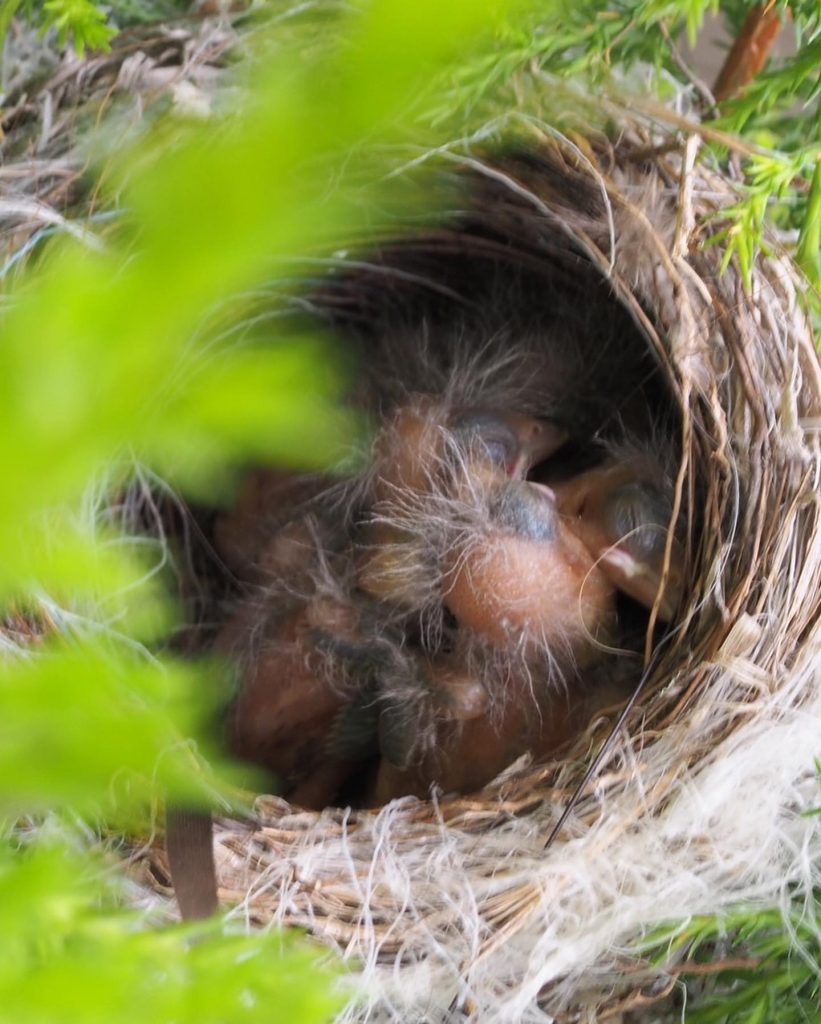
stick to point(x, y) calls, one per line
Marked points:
point(698, 84)
point(730, 963)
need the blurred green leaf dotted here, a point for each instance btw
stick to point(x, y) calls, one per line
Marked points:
point(98, 349)
point(67, 959)
point(98, 730)
point(82, 20)
point(111, 357)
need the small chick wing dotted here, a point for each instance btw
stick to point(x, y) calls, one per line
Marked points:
point(469, 749)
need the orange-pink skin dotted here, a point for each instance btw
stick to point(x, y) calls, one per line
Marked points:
point(287, 706)
point(511, 589)
point(469, 752)
point(409, 450)
point(582, 503)
point(409, 455)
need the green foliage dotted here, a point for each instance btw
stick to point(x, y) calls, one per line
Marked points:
point(772, 973)
point(120, 735)
point(84, 22)
point(601, 44)
point(769, 190)
point(65, 960)
point(110, 359)
point(781, 113)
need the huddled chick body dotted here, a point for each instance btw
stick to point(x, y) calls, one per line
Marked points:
point(454, 620)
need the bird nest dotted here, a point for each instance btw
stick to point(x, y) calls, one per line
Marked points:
point(529, 899)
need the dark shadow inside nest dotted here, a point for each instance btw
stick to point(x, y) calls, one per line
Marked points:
point(457, 603)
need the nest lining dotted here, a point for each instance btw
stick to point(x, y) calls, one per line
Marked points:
point(452, 909)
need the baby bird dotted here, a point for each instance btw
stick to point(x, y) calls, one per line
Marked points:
point(466, 745)
point(545, 565)
point(622, 512)
point(288, 699)
point(247, 535)
point(426, 455)
point(306, 647)
point(522, 576)
point(532, 609)
point(524, 580)
point(336, 682)
point(410, 450)
point(535, 584)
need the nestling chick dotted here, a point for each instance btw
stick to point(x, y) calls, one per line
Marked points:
point(525, 580)
point(521, 579)
point(535, 581)
point(471, 743)
point(308, 648)
point(621, 511)
point(289, 697)
point(544, 565)
point(410, 451)
point(429, 449)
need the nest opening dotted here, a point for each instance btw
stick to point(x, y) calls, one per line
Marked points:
point(414, 603)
